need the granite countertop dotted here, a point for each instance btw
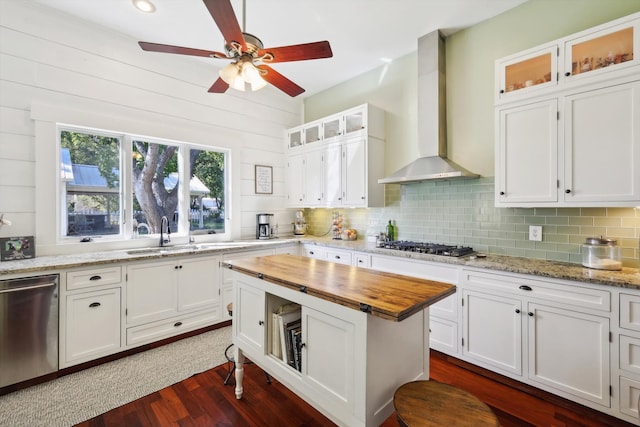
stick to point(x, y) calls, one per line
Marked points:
point(56, 262)
point(626, 278)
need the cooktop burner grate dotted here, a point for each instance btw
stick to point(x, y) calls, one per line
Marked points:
point(428, 248)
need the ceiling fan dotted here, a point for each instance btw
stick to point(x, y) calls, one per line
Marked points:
point(248, 54)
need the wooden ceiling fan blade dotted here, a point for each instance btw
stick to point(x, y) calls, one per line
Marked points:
point(219, 86)
point(280, 81)
point(222, 13)
point(165, 48)
point(298, 52)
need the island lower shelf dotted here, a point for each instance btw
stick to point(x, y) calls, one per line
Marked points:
point(348, 361)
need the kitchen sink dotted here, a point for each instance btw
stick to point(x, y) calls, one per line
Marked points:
point(161, 249)
point(191, 247)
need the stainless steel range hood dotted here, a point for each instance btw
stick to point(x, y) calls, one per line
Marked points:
point(432, 120)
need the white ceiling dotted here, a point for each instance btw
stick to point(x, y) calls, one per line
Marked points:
point(362, 33)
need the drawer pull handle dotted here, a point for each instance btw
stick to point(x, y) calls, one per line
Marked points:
point(94, 305)
point(517, 311)
point(95, 277)
point(525, 288)
point(177, 324)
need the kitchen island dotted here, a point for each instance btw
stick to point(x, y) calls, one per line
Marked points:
point(362, 333)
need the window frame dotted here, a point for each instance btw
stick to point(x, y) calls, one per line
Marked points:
point(126, 192)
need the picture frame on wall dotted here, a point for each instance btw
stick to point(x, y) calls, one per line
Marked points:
point(264, 179)
point(15, 248)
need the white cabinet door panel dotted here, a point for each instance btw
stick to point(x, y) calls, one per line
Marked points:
point(569, 351)
point(492, 331)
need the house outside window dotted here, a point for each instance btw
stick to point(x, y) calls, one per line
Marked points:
point(99, 199)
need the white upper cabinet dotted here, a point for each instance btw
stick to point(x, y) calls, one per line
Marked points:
point(583, 58)
point(530, 71)
point(574, 139)
point(340, 169)
point(607, 48)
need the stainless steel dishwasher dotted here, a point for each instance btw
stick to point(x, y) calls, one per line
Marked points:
point(28, 328)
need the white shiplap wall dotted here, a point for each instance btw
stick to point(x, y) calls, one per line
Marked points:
point(55, 68)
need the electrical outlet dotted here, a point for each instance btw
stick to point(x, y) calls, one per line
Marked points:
point(535, 233)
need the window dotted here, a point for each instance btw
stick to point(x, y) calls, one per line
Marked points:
point(96, 194)
point(90, 172)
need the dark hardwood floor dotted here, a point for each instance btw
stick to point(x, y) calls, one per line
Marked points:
point(203, 400)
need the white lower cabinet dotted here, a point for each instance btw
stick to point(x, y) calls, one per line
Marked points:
point(551, 335)
point(492, 331)
point(90, 314)
point(339, 256)
point(163, 297)
point(346, 354)
point(92, 325)
point(628, 374)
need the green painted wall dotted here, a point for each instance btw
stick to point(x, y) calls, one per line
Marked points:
point(470, 58)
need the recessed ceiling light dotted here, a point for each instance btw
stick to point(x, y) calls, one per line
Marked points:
point(144, 6)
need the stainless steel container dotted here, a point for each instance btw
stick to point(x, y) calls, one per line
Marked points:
point(601, 253)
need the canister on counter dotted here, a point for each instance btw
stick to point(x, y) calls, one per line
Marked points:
point(601, 253)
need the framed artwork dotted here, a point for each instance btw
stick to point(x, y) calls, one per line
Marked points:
point(14, 248)
point(264, 179)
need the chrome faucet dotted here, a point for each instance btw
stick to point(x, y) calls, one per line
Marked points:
point(164, 221)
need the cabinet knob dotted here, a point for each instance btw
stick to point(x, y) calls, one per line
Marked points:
point(337, 256)
point(175, 267)
point(517, 311)
point(302, 345)
point(567, 191)
point(177, 324)
point(530, 314)
point(311, 252)
point(502, 193)
point(501, 90)
point(260, 322)
point(567, 74)
point(362, 197)
point(94, 305)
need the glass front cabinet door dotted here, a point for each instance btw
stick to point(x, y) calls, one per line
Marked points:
point(312, 132)
point(527, 71)
point(294, 136)
point(596, 52)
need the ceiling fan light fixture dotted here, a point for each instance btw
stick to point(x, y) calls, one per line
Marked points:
point(252, 75)
point(144, 6)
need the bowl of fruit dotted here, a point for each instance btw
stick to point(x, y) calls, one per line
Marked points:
point(350, 234)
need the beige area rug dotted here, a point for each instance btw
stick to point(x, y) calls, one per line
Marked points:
point(83, 395)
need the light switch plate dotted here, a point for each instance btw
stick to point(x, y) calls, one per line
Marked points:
point(535, 233)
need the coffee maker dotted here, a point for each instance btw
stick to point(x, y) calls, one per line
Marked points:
point(263, 226)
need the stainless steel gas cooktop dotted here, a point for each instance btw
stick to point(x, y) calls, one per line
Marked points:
point(427, 248)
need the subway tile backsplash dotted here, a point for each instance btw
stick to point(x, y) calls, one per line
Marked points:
point(463, 213)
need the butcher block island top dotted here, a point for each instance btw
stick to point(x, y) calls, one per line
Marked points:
point(386, 295)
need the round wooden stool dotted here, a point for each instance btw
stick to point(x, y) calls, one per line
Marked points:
point(431, 403)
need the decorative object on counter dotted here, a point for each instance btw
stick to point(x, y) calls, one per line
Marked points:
point(264, 179)
point(601, 253)
point(350, 234)
point(336, 225)
point(391, 232)
point(4, 221)
point(299, 226)
point(15, 248)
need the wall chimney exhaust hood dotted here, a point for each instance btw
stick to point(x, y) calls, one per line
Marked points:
point(432, 120)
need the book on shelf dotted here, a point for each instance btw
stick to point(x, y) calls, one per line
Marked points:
point(296, 339)
point(282, 320)
point(291, 329)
